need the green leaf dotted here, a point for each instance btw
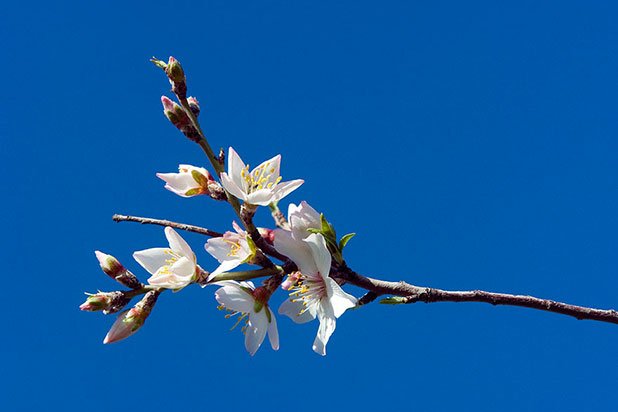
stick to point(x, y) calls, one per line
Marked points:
point(345, 239)
point(393, 300)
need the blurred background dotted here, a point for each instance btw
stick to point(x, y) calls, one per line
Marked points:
point(470, 146)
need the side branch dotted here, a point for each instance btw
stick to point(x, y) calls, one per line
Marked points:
point(412, 294)
point(160, 222)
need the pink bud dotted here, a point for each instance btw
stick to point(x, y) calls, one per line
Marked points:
point(130, 321)
point(292, 280)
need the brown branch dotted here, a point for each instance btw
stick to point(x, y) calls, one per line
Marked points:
point(259, 240)
point(160, 222)
point(412, 294)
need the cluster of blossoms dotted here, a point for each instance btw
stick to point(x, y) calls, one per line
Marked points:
point(304, 243)
point(312, 293)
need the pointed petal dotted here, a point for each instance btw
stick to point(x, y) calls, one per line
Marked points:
point(256, 331)
point(234, 298)
point(270, 169)
point(320, 253)
point(296, 311)
point(225, 266)
point(273, 333)
point(261, 197)
point(178, 183)
point(234, 169)
point(303, 217)
point(285, 188)
point(178, 244)
point(296, 250)
point(232, 187)
point(339, 299)
point(152, 259)
point(183, 267)
point(326, 329)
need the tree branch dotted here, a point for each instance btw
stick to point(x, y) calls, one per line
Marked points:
point(160, 222)
point(412, 294)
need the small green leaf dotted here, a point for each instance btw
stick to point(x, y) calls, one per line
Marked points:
point(268, 315)
point(345, 239)
point(393, 300)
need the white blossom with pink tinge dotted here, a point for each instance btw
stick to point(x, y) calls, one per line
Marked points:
point(171, 268)
point(189, 181)
point(261, 186)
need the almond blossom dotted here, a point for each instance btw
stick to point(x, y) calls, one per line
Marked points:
point(189, 181)
point(302, 218)
point(243, 299)
point(315, 293)
point(171, 268)
point(261, 186)
point(231, 250)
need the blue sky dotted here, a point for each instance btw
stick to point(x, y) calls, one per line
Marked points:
point(470, 146)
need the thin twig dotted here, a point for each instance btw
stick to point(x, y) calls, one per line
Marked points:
point(412, 294)
point(160, 222)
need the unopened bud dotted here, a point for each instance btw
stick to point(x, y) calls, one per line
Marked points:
point(179, 118)
point(108, 302)
point(175, 74)
point(114, 269)
point(130, 321)
point(194, 105)
point(267, 234)
point(292, 280)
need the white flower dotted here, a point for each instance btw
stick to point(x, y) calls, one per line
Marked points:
point(315, 294)
point(231, 250)
point(171, 268)
point(301, 218)
point(190, 181)
point(261, 186)
point(238, 298)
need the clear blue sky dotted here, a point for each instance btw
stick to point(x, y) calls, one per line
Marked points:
point(470, 146)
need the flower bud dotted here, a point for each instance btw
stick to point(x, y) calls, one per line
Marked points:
point(179, 118)
point(194, 105)
point(108, 302)
point(114, 269)
point(292, 280)
point(267, 234)
point(130, 321)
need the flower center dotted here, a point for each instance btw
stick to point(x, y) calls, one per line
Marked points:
point(234, 247)
point(232, 313)
point(259, 178)
point(309, 290)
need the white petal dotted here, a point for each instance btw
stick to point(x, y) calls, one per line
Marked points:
point(179, 183)
point(297, 250)
point(234, 298)
point(285, 188)
point(273, 333)
point(256, 331)
point(183, 267)
point(234, 169)
point(320, 253)
point(302, 218)
point(326, 329)
point(271, 169)
point(152, 259)
point(232, 187)
point(225, 266)
point(218, 248)
point(261, 197)
point(339, 299)
point(178, 244)
point(296, 311)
